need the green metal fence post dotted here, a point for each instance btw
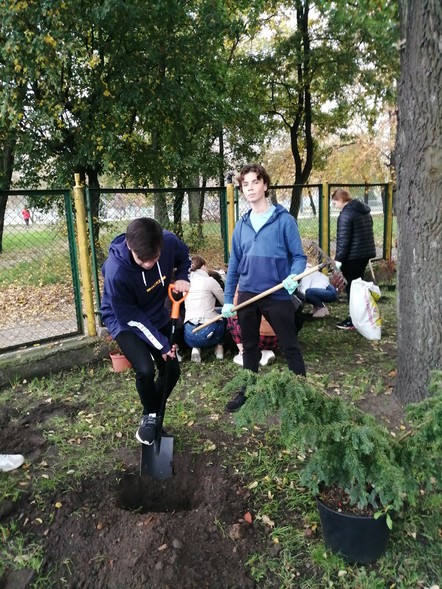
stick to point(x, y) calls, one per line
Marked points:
point(324, 218)
point(388, 221)
point(73, 257)
point(90, 222)
point(224, 231)
point(230, 197)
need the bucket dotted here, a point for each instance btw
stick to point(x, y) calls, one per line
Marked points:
point(119, 362)
point(358, 539)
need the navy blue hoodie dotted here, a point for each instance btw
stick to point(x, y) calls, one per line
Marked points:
point(133, 298)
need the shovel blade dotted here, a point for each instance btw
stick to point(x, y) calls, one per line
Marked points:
point(157, 459)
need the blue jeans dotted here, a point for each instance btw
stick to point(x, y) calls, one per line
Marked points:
point(318, 296)
point(209, 336)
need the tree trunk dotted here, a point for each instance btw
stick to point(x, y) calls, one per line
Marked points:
point(94, 183)
point(301, 137)
point(178, 201)
point(419, 204)
point(160, 209)
point(7, 167)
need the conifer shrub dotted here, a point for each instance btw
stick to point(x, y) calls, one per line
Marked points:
point(344, 446)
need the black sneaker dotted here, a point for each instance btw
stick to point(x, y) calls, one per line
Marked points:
point(148, 428)
point(236, 403)
point(347, 324)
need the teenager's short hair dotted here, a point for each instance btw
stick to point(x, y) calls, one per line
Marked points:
point(197, 262)
point(144, 236)
point(341, 194)
point(260, 172)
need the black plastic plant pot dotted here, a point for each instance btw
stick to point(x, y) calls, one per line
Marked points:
point(358, 539)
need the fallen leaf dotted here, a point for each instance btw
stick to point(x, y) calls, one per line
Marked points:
point(162, 547)
point(58, 504)
point(248, 517)
point(268, 521)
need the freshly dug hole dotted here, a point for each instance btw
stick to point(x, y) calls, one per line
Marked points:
point(190, 487)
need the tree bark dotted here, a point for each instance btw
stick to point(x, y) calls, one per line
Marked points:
point(419, 203)
point(301, 137)
point(95, 197)
point(7, 167)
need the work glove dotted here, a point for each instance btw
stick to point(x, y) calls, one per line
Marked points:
point(338, 264)
point(227, 312)
point(290, 284)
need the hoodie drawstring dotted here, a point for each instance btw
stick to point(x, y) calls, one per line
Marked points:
point(160, 273)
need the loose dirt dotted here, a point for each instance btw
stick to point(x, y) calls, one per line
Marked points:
point(121, 530)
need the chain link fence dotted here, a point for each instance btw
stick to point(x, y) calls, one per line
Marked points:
point(39, 286)
point(196, 215)
point(40, 294)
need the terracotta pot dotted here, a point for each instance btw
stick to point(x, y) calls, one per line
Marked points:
point(119, 362)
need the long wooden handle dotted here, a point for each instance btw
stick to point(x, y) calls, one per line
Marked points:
point(261, 295)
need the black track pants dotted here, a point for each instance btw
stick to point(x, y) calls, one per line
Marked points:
point(281, 316)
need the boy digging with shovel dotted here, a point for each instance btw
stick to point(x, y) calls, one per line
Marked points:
point(137, 275)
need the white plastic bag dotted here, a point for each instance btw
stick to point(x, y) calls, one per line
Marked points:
point(364, 310)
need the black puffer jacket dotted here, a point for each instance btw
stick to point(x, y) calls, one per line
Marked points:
point(355, 237)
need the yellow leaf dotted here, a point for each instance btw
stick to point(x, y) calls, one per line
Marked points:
point(268, 521)
point(253, 485)
point(58, 504)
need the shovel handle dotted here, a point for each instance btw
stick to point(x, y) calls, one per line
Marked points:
point(175, 313)
point(266, 293)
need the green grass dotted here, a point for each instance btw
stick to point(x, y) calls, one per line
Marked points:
point(38, 271)
point(94, 413)
point(37, 236)
point(36, 257)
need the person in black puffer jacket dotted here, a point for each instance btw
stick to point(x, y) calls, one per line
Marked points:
point(354, 240)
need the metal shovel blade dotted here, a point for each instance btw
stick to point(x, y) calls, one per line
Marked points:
point(157, 459)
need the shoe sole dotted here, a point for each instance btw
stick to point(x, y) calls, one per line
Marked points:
point(346, 328)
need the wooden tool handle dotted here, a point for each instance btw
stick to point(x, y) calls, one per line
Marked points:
point(261, 295)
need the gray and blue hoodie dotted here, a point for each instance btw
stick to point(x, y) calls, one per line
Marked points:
point(133, 298)
point(259, 261)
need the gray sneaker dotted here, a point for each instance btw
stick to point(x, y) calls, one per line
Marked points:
point(148, 429)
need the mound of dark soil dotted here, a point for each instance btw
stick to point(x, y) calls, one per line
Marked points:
point(122, 530)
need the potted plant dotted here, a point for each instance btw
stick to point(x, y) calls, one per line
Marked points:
point(353, 465)
point(118, 359)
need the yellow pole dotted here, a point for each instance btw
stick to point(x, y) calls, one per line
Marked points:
point(389, 222)
point(85, 271)
point(230, 193)
point(325, 220)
